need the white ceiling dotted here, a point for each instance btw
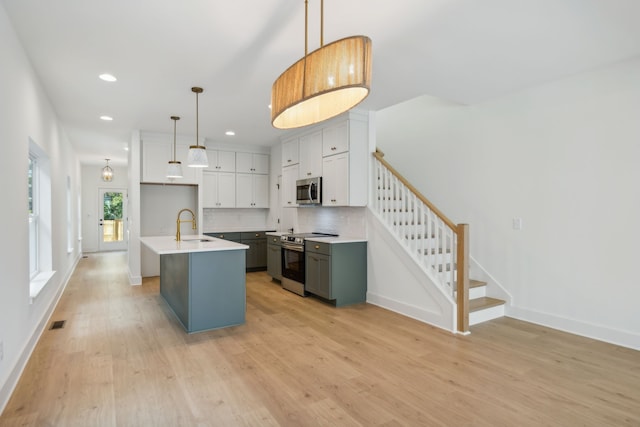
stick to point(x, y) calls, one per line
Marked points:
point(464, 51)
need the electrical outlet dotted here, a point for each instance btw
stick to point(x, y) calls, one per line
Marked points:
point(517, 223)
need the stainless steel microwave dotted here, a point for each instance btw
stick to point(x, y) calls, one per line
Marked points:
point(309, 191)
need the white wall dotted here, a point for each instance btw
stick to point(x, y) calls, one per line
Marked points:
point(159, 207)
point(91, 184)
point(564, 158)
point(25, 112)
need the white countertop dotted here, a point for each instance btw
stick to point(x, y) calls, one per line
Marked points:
point(325, 239)
point(163, 245)
point(338, 239)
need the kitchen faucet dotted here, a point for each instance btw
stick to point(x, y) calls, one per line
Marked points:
point(178, 221)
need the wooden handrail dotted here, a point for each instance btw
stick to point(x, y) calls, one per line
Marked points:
point(380, 156)
point(462, 243)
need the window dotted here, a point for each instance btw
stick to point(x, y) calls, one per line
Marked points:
point(39, 200)
point(69, 218)
point(33, 216)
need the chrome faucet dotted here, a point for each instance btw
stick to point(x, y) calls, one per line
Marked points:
point(178, 221)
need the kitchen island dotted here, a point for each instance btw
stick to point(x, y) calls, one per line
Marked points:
point(202, 279)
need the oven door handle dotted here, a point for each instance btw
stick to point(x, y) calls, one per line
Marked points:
point(291, 247)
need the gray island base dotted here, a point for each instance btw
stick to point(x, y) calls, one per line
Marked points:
point(204, 283)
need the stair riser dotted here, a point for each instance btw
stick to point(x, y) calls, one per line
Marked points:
point(486, 314)
point(477, 292)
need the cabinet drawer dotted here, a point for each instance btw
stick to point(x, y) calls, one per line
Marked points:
point(248, 235)
point(274, 240)
point(317, 247)
point(234, 236)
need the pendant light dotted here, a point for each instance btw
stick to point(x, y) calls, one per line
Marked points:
point(107, 172)
point(197, 153)
point(175, 167)
point(324, 83)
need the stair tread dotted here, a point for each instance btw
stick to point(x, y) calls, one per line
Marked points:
point(484, 302)
point(476, 283)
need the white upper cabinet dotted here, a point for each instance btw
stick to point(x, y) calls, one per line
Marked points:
point(252, 163)
point(335, 181)
point(218, 189)
point(311, 155)
point(252, 190)
point(290, 152)
point(335, 139)
point(338, 151)
point(288, 191)
point(221, 161)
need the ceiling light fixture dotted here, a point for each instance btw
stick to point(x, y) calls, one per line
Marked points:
point(107, 77)
point(106, 118)
point(174, 170)
point(197, 157)
point(324, 83)
point(107, 172)
point(230, 133)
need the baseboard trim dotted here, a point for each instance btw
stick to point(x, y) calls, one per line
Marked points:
point(134, 280)
point(12, 380)
point(412, 311)
point(597, 332)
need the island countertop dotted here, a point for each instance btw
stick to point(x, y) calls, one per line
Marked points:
point(163, 245)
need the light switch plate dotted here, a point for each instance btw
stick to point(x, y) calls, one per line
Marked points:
point(517, 223)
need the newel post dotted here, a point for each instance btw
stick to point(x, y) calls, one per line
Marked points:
point(462, 272)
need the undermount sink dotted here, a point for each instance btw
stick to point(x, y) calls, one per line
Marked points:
point(196, 240)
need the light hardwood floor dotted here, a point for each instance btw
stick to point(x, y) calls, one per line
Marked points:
point(123, 360)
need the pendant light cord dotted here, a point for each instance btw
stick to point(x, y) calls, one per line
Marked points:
point(197, 122)
point(306, 25)
point(174, 139)
point(321, 23)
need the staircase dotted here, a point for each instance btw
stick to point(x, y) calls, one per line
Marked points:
point(436, 244)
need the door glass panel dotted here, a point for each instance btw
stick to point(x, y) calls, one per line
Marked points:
point(112, 227)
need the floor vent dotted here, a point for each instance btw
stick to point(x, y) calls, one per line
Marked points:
point(58, 324)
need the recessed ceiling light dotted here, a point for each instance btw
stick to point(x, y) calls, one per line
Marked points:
point(108, 77)
point(230, 133)
point(106, 118)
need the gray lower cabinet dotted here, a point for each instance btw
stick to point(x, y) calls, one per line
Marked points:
point(257, 252)
point(274, 257)
point(337, 271)
point(257, 242)
point(233, 236)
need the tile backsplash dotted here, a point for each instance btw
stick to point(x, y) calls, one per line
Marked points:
point(235, 219)
point(344, 221)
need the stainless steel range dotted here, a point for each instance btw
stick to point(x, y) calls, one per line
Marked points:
point(293, 268)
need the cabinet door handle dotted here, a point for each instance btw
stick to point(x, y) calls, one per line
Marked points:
point(289, 161)
point(257, 235)
point(222, 236)
point(308, 173)
point(333, 148)
point(289, 202)
point(317, 246)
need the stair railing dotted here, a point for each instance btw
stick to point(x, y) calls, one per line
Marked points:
point(438, 244)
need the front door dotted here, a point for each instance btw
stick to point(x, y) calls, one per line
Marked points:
point(111, 223)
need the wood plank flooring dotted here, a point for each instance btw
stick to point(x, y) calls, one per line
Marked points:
point(122, 359)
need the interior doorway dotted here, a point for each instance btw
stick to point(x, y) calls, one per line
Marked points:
point(112, 217)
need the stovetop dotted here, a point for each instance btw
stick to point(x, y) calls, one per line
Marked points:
point(299, 237)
